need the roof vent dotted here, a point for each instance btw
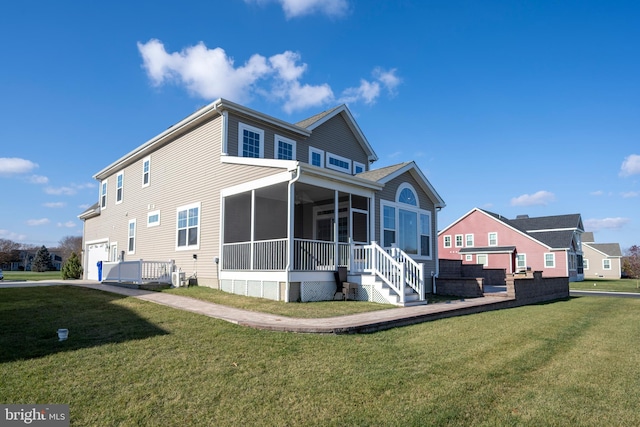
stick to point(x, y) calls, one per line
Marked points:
point(522, 217)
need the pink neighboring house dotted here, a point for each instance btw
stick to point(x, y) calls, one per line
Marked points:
point(550, 244)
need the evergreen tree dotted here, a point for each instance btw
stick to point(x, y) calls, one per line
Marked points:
point(42, 261)
point(72, 269)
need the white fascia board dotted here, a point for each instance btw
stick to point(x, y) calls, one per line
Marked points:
point(413, 168)
point(307, 170)
point(256, 161)
point(267, 181)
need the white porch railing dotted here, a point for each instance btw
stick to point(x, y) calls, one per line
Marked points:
point(138, 271)
point(272, 255)
point(394, 267)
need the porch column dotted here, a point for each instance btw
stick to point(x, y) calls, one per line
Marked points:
point(253, 227)
point(336, 218)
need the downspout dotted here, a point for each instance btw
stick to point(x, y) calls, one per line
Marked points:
point(290, 225)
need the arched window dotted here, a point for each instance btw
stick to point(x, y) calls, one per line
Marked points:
point(405, 225)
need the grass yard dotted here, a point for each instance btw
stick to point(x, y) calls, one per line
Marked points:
point(621, 285)
point(22, 276)
point(133, 363)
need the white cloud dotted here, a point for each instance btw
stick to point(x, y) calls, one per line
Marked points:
point(368, 91)
point(68, 224)
point(37, 222)
point(609, 223)
point(54, 204)
point(540, 198)
point(630, 165)
point(296, 8)
point(38, 179)
point(66, 191)
point(6, 234)
point(597, 193)
point(630, 194)
point(15, 165)
point(211, 74)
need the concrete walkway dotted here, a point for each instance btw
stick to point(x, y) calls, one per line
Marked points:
point(353, 323)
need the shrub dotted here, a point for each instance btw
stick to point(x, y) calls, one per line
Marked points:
point(72, 269)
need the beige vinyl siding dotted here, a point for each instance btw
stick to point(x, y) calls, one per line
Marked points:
point(185, 171)
point(389, 193)
point(335, 137)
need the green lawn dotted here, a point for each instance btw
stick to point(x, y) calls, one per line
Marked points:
point(31, 275)
point(621, 285)
point(133, 363)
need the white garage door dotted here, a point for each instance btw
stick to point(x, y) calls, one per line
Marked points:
point(96, 252)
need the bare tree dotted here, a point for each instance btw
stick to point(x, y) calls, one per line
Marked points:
point(631, 263)
point(9, 251)
point(69, 244)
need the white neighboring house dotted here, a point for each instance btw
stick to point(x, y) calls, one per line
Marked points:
point(257, 206)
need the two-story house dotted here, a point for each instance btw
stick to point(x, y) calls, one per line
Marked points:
point(601, 260)
point(550, 244)
point(257, 206)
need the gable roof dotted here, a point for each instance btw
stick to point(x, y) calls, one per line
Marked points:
point(587, 237)
point(386, 174)
point(608, 249)
point(317, 120)
point(548, 223)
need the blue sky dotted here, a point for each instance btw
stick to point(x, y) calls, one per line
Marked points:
point(519, 107)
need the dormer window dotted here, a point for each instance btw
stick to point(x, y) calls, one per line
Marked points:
point(250, 141)
point(284, 148)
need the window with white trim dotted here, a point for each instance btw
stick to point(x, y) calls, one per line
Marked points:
point(119, 187)
point(521, 262)
point(131, 242)
point(405, 224)
point(550, 260)
point(358, 167)
point(458, 240)
point(469, 240)
point(585, 263)
point(103, 195)
point(250, 141)
point(153, 219)
point(338, 163)
point(188, 227)
point(146, 170)
point(316, 157)
point(482, 259)
point(468, 257)
point(493, 239)
point(447, 241)
point(284, 148)
point(606, 264)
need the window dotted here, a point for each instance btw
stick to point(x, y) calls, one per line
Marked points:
point(188, 228)
point(103, 194)
point(493, 239)
point(585, 263)
point(250, 141)
point(521, 262)
point(458, 240)
point(358, 168)
point(338, 163)
point(606, 264)
point(146, 167)
point(468, 257)
point(447, 241)
point(115, 256)
point(550, 260)
point(482, 259)
point(316, 157)
point(131, 248)
point(119, 187)
point(469, 240)
point(284, 148)
point(153, 219)
point(389, 226)
point(405, 224)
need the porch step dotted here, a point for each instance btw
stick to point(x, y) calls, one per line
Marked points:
point(410, 296)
